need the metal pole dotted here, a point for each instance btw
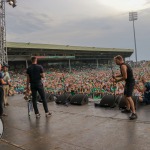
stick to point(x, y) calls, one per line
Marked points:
point(69, 66)
point(26, 63)
point(3, 48)
point(97, 62)
point(135, 43)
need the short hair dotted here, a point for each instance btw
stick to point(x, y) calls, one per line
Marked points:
point(119, 57)
point(33, 58)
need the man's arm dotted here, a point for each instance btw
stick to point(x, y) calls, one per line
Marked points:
point(118, 75)
point(2, 81)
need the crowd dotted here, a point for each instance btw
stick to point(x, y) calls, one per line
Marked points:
point(82, 79)
point(86, 79)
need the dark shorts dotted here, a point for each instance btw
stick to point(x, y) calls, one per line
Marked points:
point(128, 89)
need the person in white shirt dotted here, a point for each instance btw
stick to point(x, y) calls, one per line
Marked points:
point(6, 78)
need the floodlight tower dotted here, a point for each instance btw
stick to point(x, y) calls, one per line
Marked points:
point(132, 17)
point(3, 48)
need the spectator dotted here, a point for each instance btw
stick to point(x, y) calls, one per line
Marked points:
point(6, 78)
point(145, 90)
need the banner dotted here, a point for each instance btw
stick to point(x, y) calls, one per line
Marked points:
point(56, 57)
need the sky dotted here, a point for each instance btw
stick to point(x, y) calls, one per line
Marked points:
point(93, 23)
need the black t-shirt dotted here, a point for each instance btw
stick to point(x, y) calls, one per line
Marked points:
point(34, 72)
point(147, 92)
point(130, 77)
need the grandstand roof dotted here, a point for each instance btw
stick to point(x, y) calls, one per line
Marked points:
point(63, 47)
point(23, 51)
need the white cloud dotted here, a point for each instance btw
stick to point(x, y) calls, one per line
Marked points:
point(125, 5)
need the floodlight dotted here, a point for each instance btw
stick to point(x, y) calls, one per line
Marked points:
point(12, 3)
point(132, 17)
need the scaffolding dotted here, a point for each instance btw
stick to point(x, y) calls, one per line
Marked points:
point(3, 48)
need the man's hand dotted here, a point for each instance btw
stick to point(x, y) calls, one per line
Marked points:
point(116, 79)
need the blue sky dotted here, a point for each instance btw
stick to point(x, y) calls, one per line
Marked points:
point(96, 23)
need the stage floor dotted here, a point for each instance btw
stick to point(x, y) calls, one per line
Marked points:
point(74, 128)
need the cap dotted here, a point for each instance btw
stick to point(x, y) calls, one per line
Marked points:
point(5, 65)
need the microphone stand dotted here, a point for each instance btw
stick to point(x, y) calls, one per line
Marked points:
point(113, 87)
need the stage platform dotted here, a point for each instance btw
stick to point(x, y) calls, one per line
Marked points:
point(74, 128)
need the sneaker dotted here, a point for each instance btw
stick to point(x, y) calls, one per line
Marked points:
point(37, 115)
point(7, 104)
point(39, 102)
point(3, 115)
point(48, 114)
point(126, 111)
point(133, 116)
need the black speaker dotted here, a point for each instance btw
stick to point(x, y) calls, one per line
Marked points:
point(63, 99)
point(47, 97)
point(38, 98)
point(122, 103)
point(50, 98)
point(79, 99)
point(107, 101)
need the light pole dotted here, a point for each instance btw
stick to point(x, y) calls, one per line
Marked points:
point(3, 48)
point(132, 17)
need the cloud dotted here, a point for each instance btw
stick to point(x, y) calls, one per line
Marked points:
point(77, 22)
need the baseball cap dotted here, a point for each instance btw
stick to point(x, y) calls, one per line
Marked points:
point(5, 65)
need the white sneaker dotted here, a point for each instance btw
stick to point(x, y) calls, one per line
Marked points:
point(48, 114)
point(37, 115)
point(39, 102)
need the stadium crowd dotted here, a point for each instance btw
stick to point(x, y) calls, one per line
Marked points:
point(82, 79)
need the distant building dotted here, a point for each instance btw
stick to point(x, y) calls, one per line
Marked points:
point(57, 53)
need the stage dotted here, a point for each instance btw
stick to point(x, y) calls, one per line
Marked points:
point(74, 128)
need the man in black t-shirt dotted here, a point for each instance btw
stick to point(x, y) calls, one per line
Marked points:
point(34, 75)
point(127, 76)
point(1, 95)
point(2, 82)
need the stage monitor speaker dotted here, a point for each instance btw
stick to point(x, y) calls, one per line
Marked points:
point(107, 101)
point(63, 99)
point(47, 96)
point(122, 103)
point(50, 98)
point(79, 99)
